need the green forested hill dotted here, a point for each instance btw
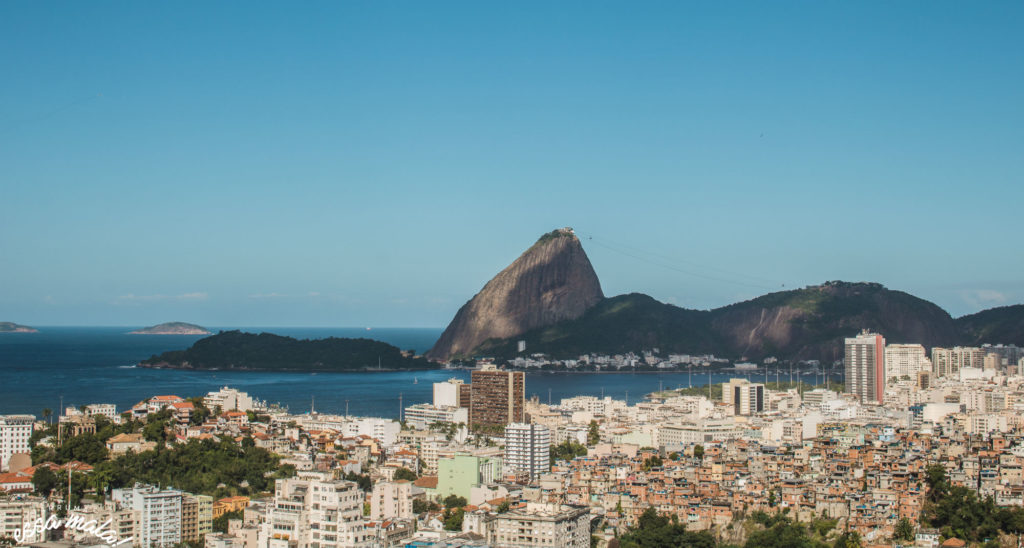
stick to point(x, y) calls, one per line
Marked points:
point(269, 352)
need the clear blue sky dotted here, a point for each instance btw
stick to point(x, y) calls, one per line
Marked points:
point(375, 163)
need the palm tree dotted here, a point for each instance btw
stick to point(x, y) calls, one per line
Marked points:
point(47, 413)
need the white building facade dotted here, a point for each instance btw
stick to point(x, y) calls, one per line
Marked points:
point(15, 430)
point(527, 449)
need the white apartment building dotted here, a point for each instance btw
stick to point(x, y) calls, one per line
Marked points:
point(16, 511)
point(157, 514)
point(391, 500)
point(107, 410)
point(745, 397)
point(527, 449)
point(542, 525)
point(947, 362)
point(228, 399)
point(446, 394)
point(122, 520)
point(15, 430)
point(313, 510)
point(905, 360)
point(422, 415)
point(592, 404)
point(385, 430)
point(700, 432)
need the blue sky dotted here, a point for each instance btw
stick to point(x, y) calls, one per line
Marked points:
point(346, 164)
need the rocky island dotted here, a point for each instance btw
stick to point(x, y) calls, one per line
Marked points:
point(238, 351)
point(172, 328)
point(11, 327)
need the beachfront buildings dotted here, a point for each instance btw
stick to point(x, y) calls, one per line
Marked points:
point(15, 430)
point(422, 415)
point(228, 399)
point(865, 366)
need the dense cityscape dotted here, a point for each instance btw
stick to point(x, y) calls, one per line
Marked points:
point(912, 450)
point(449, 274)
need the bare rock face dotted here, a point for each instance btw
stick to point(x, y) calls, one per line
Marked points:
point(552, 281)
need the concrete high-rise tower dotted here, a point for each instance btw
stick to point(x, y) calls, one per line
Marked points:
point(865, 366)
point(498, 397)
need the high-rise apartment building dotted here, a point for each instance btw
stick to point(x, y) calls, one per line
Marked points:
point(15, 430)
point(498, 397)
point(865, 366)
point(947, 362)
point(313, 510)
point(391, 500)
point(446, 394)
point(905, 360)
point(157, 512)
point(196, 516)
point(745, 397)
point(527, 449)
point(17, 512)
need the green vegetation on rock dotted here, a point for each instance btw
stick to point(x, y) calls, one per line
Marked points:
point(268, 352)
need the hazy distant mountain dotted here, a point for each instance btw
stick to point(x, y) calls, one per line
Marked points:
point(550, 282)
point(235, 350)
point(551, 298)
point(1004, 324)
point(11, 327)
point(172, 328)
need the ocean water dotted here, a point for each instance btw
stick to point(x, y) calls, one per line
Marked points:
point(83, 365)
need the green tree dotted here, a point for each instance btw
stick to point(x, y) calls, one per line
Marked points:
point(420, 505)
point(785, 533)
point(849, 539)
point(938, 486)
point(405, 474)
point(44, 481)
point(363, 481)
point(904, 530)
point(504, 506)
point(47, 413)
point(220, 524)
point(454, 501)
point(656, 531)
point(593, 434)
point(453, 519)
point(88, 448)
point(567, 450)
point(652, 462)
point(698, 451)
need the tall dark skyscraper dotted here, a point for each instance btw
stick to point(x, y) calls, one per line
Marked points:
point(498, 397)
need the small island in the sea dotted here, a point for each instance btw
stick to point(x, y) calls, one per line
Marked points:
point(11, 327)
point(172, 328)
point(238, 351)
